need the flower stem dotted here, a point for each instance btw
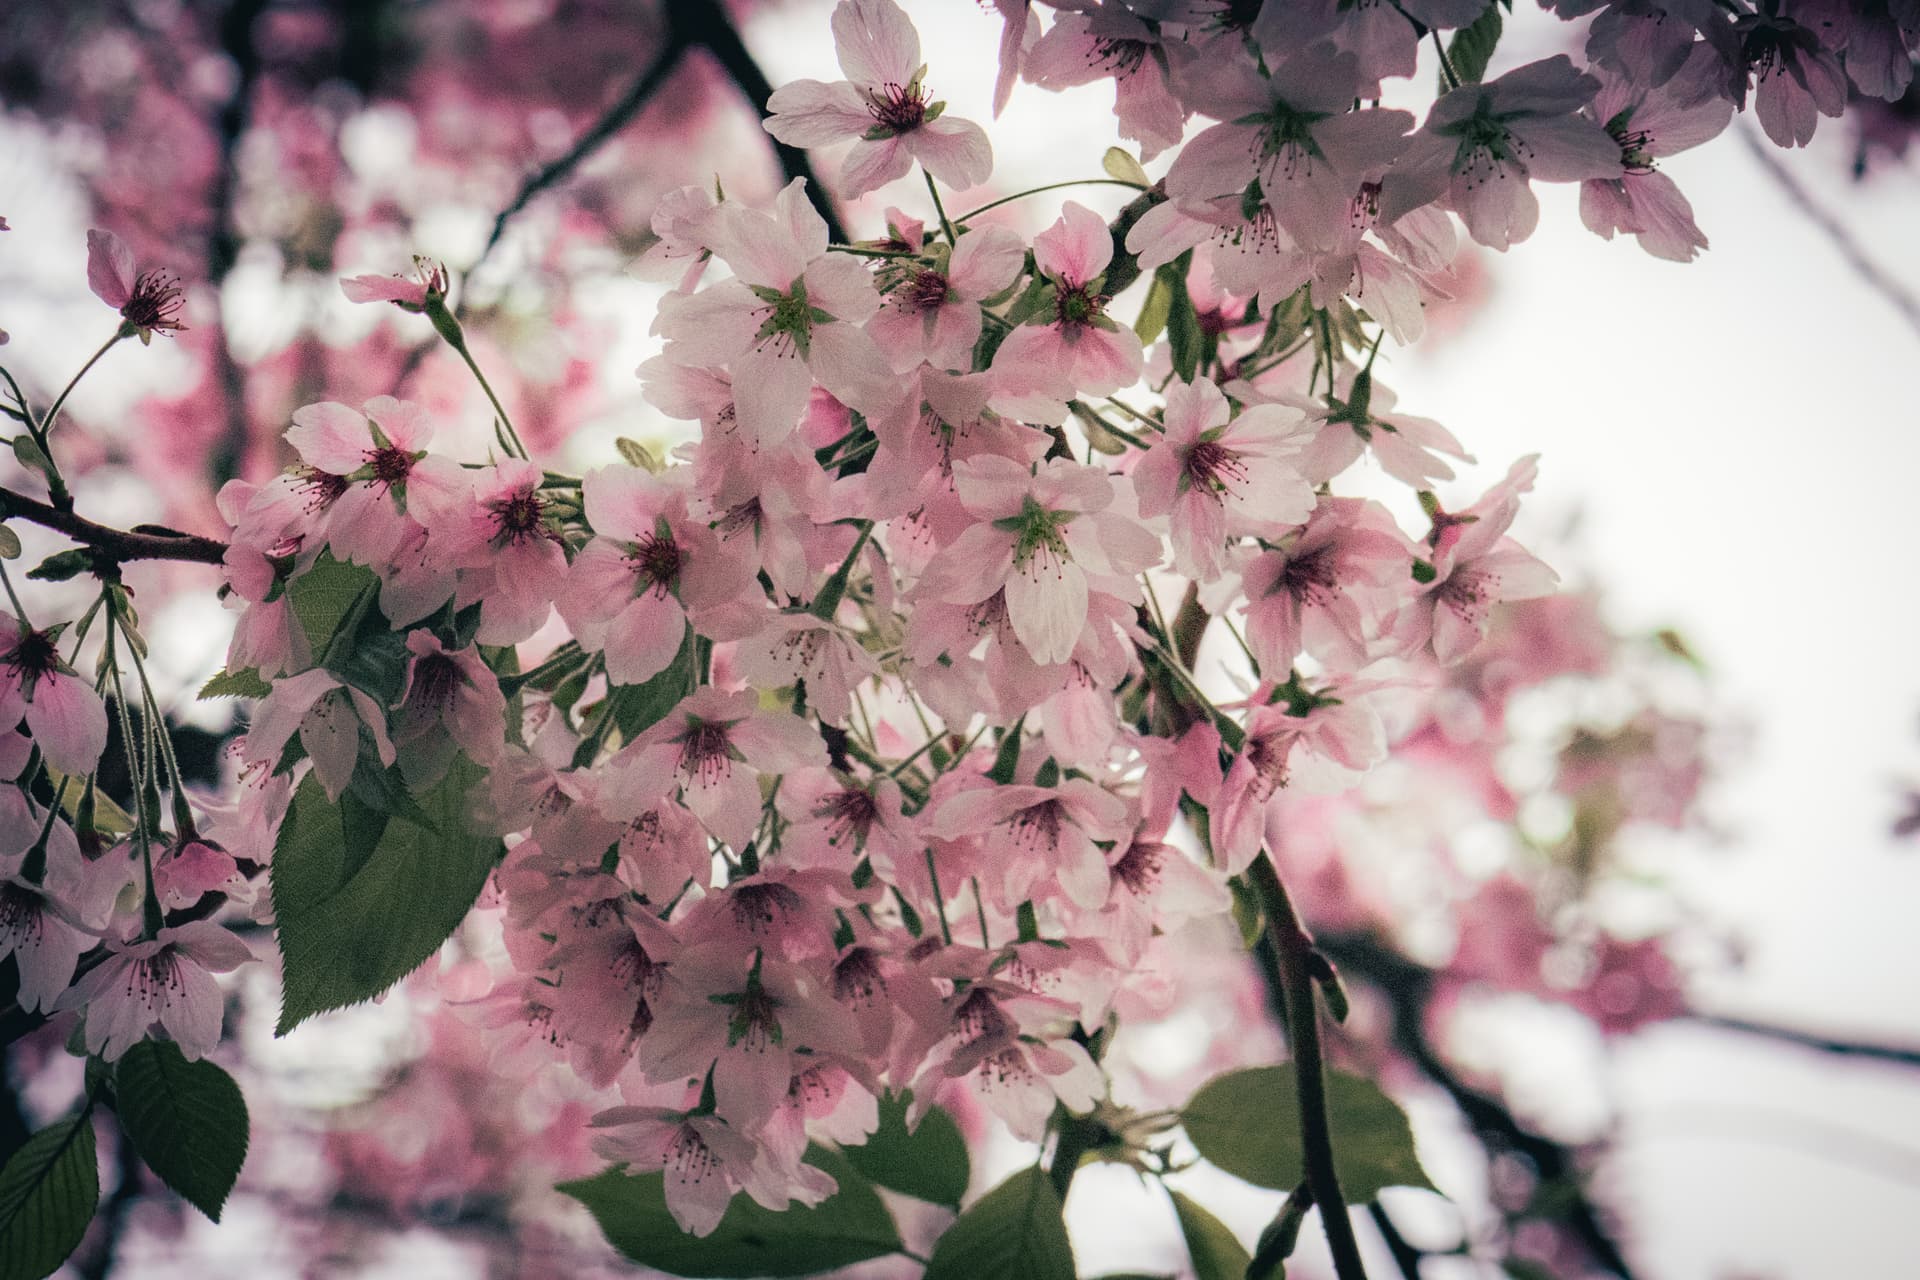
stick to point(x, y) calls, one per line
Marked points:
point(940, 209)
point(1293, 949)
point(1051, 186)
point(46, 423)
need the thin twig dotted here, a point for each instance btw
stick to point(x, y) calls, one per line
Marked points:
point(1871, 273)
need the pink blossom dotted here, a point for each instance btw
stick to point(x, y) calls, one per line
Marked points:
point(649, 570)
point(147, 302)
point(499, 531)
point(380, 451)
point(1326, 589)
point(1476, 566)
point(713, 747)
point(47, 920)
point(1038, 837)
point(1038, 536)
point(1323, 746)
point(1796, 78)
point(1010, 1048)
point(328, 716)
point(883, 104)
point(428, 283)
point(166, 979)
point(931, 311)
point(1080, 350)
point(1483, 144)
point(1222, 476)
point(64, 715)
point(754, 1020)
point(449, 701)
point(706, 1160)
point(1648, 126)
point(1112, 43)
point(793, 313)
point(1292, 132)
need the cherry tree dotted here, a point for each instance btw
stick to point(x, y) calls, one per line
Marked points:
point(1025, 637)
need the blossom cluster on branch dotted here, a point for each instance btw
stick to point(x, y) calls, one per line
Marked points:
point(1017, 602)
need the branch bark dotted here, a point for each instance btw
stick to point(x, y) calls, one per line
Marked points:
point(1294, 950)
point(113, 546)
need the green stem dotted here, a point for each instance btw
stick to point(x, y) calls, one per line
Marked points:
point(46, 423)
point(945, 225)
point(448, 327)
point(1293, 950)
point(1446, 64)
point(1051, 186)
point(1078, 1135)
point(19, 610)
point(152, 920)
point(939, 899)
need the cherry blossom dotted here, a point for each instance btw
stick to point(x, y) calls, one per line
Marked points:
point(882, 104)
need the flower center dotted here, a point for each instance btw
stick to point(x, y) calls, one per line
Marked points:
point(898, 108)
point(390, 465)
point(156, 302)
point(1077, 306)
point(517, 518)
point(657, 562)
point(436, 679)
point(1214, 468)
point(927, 291)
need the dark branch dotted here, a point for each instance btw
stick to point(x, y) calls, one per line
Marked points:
point(1409, 988)
point(706, 23)
point(1904, 1055)
point(616, 118)
point(1294, 975)
point(691, 24)
point(112, 546)
point(1871, 273)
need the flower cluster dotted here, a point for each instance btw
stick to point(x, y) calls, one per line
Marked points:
point(988, 625)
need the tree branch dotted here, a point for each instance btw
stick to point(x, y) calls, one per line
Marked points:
point(1409, 987)
point(691, 24)
point(1904, 1055)
point(113, 546)
point(1294, 951)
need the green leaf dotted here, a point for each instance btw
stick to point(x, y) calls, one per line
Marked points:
point(1248, 1123)
point(29, 455)
point(1216, 1252)
point(1014, 1232)
point(355, 920)
point(62, 565)
point(1152, 321)
point(323, 595)
point(9, 544)
point(1472, 46)
point(635, 454)
point(244, 683)
point(1184, 339)
point(849, 1226)
point(929, 1164)
point(1522, 1269)
point(1120, 164)
point(47, 1196)
point(374, 661)
point(638, 707)
point(186, 1119)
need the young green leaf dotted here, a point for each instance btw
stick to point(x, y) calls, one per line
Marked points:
point(244, 683)
point(1472, 46)
point(1120, 164)
point(849, 1226)
point(929, 1164)
point(1248, 1123)
point(1014, 1232)
point(353, 921)
point(186, 1119)
point(48, 1192)
point(1216, 1252)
